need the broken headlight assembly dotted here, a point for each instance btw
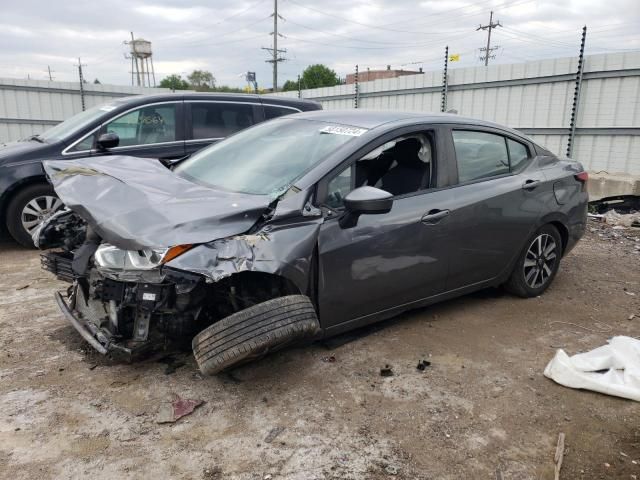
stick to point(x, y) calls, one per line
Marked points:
point(108, 256)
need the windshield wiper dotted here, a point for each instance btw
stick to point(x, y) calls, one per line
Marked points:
point(35, 137)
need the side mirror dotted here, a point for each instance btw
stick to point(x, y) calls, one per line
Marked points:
point(365, 201)
point(107, 141)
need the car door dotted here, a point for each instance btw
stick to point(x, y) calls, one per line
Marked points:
point(385, 260)
point(153, 130)
point(207, 122)
point(494, 203)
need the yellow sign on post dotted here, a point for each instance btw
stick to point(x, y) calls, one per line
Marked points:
point(454, 58)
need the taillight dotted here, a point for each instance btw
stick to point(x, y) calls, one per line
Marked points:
point(582, 177)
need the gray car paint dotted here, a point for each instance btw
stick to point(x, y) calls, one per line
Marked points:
point(386, 263)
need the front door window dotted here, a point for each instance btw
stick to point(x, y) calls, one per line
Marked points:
point(145, 126)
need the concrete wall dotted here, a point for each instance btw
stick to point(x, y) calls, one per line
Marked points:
point(534, 97)
point(28, 107)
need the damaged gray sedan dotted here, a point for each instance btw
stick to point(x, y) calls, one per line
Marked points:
point(304, 227)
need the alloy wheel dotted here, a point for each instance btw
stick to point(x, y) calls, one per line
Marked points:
point(38, 210)
point(540, 260)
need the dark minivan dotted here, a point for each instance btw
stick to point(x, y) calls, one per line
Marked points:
point(168, 127)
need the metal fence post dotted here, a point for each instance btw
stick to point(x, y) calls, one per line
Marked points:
point(576, 95)
point(445, 81)
point(357, 91)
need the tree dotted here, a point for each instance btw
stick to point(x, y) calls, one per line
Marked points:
point(96, 81)
point(202, 80)
point(289, 86)
point(316, 76)
point(174, 82)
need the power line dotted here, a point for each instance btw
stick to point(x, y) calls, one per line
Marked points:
point(487, 51)
point(364, 41)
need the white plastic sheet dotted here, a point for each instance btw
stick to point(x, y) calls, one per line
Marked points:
point(612, 369)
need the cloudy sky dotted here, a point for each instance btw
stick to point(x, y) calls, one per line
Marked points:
point(225, 37)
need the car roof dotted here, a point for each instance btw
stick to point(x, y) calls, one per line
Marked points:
point(238, 97)
point(375, 118)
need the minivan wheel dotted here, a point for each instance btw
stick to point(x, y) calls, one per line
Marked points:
point(28, 209)
point(538, 263)
point(254, 332)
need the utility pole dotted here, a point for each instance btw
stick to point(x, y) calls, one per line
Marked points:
point(576, 95)
point(80, 65)
point(50, 72)
point(487, 50)
point(274, 50)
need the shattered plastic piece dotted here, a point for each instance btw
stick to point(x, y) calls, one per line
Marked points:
point(620, 361)
point(271, 436)
point(386, 371)
point(422, 364)
point(180, 407)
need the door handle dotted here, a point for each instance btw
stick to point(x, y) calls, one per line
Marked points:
point(530, 184)
point(434, 216)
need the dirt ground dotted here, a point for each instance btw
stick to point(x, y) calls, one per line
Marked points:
point(482, 410)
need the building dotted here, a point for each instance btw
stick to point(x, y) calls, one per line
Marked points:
point(368, 75)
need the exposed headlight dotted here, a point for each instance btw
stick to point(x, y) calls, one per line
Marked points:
point(108, 256)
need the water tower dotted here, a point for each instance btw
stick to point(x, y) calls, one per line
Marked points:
point(141, 62)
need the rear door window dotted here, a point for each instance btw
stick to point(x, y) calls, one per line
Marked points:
point(273, 111)
point(480, 155)
point(518, 154)
point(212, 120)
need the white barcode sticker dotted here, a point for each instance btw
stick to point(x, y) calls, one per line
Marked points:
point(343, 130)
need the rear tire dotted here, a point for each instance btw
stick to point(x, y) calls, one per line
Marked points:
point(41, 195)
point(538, 263)
point(254, 332)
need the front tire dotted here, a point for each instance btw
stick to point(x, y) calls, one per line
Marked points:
point(28, 208)
point(537, 265)
point(254, 332)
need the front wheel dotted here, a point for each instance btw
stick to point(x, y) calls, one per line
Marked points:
point(28, 209)
point(538, 263)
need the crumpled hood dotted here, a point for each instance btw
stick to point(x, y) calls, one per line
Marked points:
point(136, 203)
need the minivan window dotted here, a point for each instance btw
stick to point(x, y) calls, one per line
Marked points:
point(480, 155)
point(219, 119)
point(145, 125)
point(268, 158)
point(272, 111)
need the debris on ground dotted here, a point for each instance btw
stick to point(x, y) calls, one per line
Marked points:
point(273, 433)
point(171, 412)
point(559, 456)
point(329, 359)
point(172, 364)
point(386, 371)
point(422, 364)
point(612, 369)
point(391, 469)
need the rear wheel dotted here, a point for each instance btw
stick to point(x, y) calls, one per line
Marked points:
point(538, 263)
point(254, 332)
point(28, 209)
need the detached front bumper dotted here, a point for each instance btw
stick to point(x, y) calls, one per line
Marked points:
point(84, 328)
